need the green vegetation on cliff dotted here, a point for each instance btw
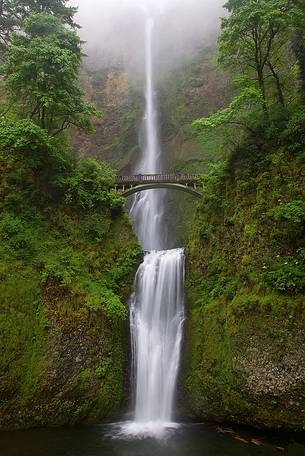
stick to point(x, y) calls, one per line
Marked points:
point(246, 253)
point(67, 251)
point(194, 89)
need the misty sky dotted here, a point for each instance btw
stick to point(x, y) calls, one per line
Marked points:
point(114, 29)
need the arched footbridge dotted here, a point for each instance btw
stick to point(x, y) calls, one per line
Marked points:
point(129, 185)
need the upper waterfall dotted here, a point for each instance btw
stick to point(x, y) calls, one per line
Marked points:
point(148, 209)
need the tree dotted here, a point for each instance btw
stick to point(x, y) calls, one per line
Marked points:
point(13, 13)
point(254, 36)
point(241, 104)
point(41, 70)
point(298, 42)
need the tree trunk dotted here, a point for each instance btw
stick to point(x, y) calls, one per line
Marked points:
point(278, 84)
point(43, 118)
point(261, 83)
point(260, 70)
point(299, 51)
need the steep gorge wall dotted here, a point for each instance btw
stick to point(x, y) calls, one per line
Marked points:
point(245, 356)
point(115, 139)
point(191, 91)
point(63, 346)
point(194, 89)
point(64, 283)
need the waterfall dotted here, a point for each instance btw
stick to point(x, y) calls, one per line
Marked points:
point(147, 210)
point(156, 325)
point(157, 306)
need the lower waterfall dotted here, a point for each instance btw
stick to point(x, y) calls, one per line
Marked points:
point(157, 315)
point(156, 321)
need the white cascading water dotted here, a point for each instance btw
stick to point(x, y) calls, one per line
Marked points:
point(147, 210)
point(157, 305)
point(156, 326)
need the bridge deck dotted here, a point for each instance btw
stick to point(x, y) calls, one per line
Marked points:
point(140, 179)
point(129, 185)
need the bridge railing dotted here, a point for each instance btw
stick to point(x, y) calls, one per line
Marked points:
point(157, 178)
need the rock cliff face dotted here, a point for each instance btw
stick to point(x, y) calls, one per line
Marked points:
point(193, 90)
point(63, 338)
point(116, 137)
point(247, 365)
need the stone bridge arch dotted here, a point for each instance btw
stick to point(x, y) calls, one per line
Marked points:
point(130, 185)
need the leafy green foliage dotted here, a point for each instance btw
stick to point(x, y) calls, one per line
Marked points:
point(102, 370)
point(245, 101)
point(63, 267)
point(89, 185)
point(32, 162)
point(254, 45)
point(254, 36)
point(96, 227)
point(102, 298)
point(245, 256)
point(212, 183)
point(293, 212)
point(16, 235)
point(24, 141)
point(67, 251)
point(290, 276)
point(13, 13)
point(294, 134)
point(41, 68)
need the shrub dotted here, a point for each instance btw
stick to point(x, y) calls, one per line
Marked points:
point(290, 279)
point(115, 201)
point(96, 227)
point(16, 234)
point(290, 276)
point(10, 226)
point(99, 297)
point(293, 212)
point(294, 135)
point(88, 185)
point(24, 139)
point(102, 370)
point(62, 266)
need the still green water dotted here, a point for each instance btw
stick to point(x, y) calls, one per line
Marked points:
point(187, 440)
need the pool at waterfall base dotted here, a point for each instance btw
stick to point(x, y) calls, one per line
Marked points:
point(176, 440)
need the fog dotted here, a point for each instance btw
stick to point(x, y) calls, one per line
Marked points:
point(114, 29)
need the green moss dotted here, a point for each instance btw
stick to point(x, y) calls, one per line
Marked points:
point(245, 357)
point(221, 339)
point(63, 318)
